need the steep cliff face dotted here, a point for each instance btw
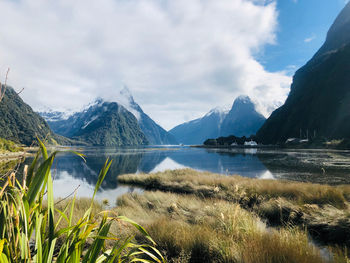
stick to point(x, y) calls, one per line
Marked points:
point(339, 33)
point(318, 104)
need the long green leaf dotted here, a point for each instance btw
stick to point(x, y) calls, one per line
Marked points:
point(32, 167)
point(39, 178)
point(138, 227)
point(101, 176)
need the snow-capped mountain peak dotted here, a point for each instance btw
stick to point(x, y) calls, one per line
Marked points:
point(222, 110)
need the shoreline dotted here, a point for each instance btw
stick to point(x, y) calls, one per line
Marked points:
point(11, 156)
point(272, 147)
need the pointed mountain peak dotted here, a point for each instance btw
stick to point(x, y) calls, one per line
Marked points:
point(242, 105)
point(243, 99)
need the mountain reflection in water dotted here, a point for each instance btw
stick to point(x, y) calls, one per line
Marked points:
point(70, 171)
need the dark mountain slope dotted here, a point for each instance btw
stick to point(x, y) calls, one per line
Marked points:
point(19, 123)
point(102, 124)
point(319, 101)
point(339, 34)
point(242, 119)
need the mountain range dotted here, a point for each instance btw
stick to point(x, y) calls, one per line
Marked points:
point(318, 104)
point(241, 120)
point(317, 107)
point(110, 123)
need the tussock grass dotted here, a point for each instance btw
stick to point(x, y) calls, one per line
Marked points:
point(188, 228)
point(324, 210)
point(237, 188)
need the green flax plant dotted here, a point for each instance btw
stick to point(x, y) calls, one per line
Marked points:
point(29, 231)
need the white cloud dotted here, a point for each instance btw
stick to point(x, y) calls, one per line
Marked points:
point(179, 58)
point(309, 39)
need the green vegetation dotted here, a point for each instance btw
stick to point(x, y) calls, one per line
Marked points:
point(20, 124)
point(324, 210)
point(34, 232)
point(9, 146)
point(108, 124)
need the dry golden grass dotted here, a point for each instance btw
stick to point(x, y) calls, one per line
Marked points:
point(324, 210)
point(237, 188)
point(191, 229)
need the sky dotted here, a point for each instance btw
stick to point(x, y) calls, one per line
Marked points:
point(178, 58)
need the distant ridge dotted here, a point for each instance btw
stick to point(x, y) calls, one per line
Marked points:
point(241, 120)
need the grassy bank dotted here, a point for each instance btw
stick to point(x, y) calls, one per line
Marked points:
point(188, 228)
point(323, 210)
point(241, 189)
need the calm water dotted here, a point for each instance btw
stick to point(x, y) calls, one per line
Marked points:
point(70, 171)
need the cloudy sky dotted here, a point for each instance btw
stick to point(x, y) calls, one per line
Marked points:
point(179, 58)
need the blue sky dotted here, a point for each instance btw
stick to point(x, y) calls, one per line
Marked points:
point(302, 29)
point(179, 58)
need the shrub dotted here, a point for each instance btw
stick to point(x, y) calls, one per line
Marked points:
point(30, 232)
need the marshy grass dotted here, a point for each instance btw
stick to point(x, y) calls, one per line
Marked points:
point(237, 188)
point(321, 209)
point(188, 228)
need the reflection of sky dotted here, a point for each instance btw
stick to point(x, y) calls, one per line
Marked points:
point(167, 164)
point(65, 184)
point(267, 175)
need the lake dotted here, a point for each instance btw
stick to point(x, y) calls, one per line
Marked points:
point(71, 172)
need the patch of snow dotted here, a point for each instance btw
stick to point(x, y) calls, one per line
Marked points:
point(88, 122)
point(222, 110)
point(51, 115)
